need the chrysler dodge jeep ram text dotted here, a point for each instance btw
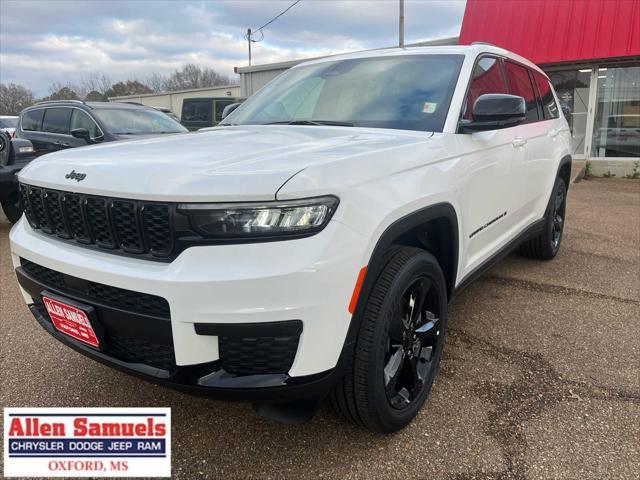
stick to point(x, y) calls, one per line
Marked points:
point(308, 246)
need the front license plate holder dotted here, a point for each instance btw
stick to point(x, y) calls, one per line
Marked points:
point(74, 319)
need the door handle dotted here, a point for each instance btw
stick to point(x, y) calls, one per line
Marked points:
point(518, 142)
point(552, 133)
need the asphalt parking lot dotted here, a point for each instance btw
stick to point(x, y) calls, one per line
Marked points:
point(540, 376)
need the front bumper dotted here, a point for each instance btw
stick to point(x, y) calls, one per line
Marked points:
point(211, 288)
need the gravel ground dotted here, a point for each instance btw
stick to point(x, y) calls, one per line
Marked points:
point(540, 376)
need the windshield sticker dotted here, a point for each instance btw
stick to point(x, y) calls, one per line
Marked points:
point(429, 107)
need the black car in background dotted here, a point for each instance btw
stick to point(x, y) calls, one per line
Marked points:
point(59, 124)
point(15, 153)
point(200, 113)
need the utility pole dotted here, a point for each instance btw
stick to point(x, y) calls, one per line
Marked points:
point(249, 42)
point(401, 26)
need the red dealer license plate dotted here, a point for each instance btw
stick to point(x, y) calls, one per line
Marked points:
point(71, 321)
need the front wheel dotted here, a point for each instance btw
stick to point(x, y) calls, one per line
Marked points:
point(399, 344)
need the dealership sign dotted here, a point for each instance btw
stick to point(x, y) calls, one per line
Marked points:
point(87, 442)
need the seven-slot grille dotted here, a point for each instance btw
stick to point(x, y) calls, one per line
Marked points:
point(94, 292)
point(115, 224)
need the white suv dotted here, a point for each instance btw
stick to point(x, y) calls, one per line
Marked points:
point(309, 245)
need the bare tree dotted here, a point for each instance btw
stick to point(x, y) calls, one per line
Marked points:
point(156, 82)
point(96, 82)
point(128, 87)
point(193, 76)
point(13, 98)
point(63, 91)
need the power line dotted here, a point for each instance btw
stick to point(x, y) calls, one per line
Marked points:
point(270, 22)
point(249, 33)
point(279, 15)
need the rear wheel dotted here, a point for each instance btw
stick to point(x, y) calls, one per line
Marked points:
point(399, 344)
point(547, 244)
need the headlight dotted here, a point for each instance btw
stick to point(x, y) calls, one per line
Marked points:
point(25, 149)
point(256, 220)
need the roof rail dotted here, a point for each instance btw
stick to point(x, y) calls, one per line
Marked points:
point(485, 43)
point(42, 102)
point(131, 103)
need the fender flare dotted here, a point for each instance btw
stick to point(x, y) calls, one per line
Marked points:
point(564, 161)
point(378, 260)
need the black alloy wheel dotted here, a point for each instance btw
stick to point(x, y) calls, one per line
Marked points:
point(413, 339)
point(546, 244)
point(557, 224)
point(402, 322)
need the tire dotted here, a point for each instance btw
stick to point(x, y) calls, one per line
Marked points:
point(547, 244)
point(5, 147)
point(398, 347)
point(12, 210)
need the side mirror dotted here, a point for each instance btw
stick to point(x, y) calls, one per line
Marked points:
point(229, 108)
point(82, 133)
point(492, 111)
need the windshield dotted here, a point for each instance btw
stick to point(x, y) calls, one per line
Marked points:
point(410, 92)
point(8, 122)
point(130, 121)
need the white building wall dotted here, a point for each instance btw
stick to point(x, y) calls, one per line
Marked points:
point(173, 100)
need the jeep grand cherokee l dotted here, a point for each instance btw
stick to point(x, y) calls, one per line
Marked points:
point(309, 245)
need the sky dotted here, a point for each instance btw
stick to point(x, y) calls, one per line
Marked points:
point(48, 40)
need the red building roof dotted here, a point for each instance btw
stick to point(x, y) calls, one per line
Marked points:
point(550, 31)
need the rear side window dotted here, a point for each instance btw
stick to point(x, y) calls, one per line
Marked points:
point(487, 78)
point(32, 120)
point(549, 106)
point(56, 120)
point(520, 84)
point(199, 111)
point(79, 119)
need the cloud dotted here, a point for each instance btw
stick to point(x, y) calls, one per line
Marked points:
point(45, 41)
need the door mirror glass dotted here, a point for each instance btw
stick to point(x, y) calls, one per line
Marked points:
point(492, 111)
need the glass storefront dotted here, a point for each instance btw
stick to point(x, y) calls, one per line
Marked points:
point(616, 127)
point(605, 121)
point(572, 88)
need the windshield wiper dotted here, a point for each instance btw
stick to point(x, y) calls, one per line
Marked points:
point(312, 122)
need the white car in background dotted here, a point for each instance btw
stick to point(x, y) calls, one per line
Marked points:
point(309, 245)
point(8, 123)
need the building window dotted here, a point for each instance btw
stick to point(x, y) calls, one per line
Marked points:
point(572, 88)
point(616, 128)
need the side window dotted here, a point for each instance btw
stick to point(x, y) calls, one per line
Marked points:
point(520, 84)
point(198, 111)
point(32, 120)
point(487, 78)
point(79, 119)
point(56, 120)
point(549, 106)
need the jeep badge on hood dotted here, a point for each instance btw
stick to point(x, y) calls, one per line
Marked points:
point(75, 176)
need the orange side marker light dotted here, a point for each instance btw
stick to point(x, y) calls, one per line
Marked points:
point(356, 290)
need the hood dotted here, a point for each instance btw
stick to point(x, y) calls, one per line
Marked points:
point(139, 136)
point(241, 163)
